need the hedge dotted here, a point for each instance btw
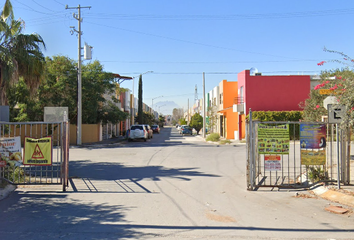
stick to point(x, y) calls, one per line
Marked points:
point(275, 116)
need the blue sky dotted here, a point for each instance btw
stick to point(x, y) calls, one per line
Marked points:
point(179, 40)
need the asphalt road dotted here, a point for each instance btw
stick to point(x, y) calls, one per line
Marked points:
point(170, 187)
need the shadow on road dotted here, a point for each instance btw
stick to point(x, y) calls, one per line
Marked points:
point(115, 171)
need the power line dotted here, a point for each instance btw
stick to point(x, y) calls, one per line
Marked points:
point(213, 62)
point(251, 16)
point(187, 41)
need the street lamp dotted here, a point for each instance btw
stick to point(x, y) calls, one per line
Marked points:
point(152, 103)
point(161, 106)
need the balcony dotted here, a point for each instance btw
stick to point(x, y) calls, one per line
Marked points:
point(239, 105)
point(238, 100)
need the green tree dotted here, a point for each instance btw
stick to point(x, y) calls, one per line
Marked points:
point(177, 113)
point(340, 83)
point(161, 120)
point(196, 122)
point(182, 121)
point(212, 118)
point(148, 118)
point(59, 88)
point(20, 55)
point(140, 100)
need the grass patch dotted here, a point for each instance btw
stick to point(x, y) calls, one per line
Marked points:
point(226, 141)
point(213, 137)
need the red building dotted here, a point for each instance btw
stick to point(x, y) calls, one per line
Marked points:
point(270, 93)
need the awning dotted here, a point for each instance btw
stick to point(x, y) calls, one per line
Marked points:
point(224, 110)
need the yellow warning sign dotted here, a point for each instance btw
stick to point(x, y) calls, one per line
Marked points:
point(38, 151)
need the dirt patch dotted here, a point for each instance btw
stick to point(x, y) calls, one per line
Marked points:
point(346, 192)
point(305, 195)
point(219, 218)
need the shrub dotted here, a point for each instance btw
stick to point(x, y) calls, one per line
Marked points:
point(226, 141)
point(213, 137)
point(287, 116)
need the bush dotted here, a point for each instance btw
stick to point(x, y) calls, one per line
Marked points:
point(281, 116)
point(226, 141)
point(213, 137)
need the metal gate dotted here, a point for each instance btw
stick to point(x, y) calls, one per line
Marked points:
point(290, 172)
point(57, 172)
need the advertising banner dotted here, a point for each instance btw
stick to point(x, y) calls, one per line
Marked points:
point(273, 139)
point(10, 151)
point(272, 162)
point(38, 151)
point(313, 144)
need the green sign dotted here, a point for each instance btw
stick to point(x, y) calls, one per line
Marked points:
point(273, 139)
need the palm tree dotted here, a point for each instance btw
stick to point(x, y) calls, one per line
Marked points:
point(20, 54)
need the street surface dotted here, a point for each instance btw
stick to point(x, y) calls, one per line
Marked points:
point(170, 187)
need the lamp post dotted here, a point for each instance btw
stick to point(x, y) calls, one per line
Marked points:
point(161, 106)
point(152, 103)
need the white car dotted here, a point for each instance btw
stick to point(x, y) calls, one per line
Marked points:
point(137, 132)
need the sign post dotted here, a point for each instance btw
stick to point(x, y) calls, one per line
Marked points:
point(336, 115)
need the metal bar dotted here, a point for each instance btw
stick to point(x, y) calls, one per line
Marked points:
point(338, 169)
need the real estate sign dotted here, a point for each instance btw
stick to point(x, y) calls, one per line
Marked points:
point(273, 139)
point(10, 151)
point(313, 144)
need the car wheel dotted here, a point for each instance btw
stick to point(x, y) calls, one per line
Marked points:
point(129, 140)
point(144, 139)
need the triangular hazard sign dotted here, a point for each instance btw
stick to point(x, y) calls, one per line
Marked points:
point(37, 153)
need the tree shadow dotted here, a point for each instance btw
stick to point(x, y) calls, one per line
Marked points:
point(54, 216)
point(117, 171)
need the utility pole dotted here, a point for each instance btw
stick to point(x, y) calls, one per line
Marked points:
point(79, 87)
point(204, 115)
point(188, 112)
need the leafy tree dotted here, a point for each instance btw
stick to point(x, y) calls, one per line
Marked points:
point(182, 121)
point(212, 118)
point(95, 84)
point(148, 118)
point(20, 55)
point(177, 114)
point(196, 122)
point(111, 113)
point(161, 120)
point(140, 119)
point(59, 88)
point(340, 83)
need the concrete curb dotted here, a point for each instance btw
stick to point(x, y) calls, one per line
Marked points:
point(334, 196)
point(4, 192)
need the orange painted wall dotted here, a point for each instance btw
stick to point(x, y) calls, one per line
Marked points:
point(230, 91)
point(231, 123)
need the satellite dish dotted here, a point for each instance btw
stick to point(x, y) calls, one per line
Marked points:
point(253, 71)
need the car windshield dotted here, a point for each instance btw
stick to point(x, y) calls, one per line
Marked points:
point(137, 127)
point(154, 126)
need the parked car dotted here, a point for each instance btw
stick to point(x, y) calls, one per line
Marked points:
point(137, 132)
point(149, 130)
point(186, 130)
point(155, 128)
